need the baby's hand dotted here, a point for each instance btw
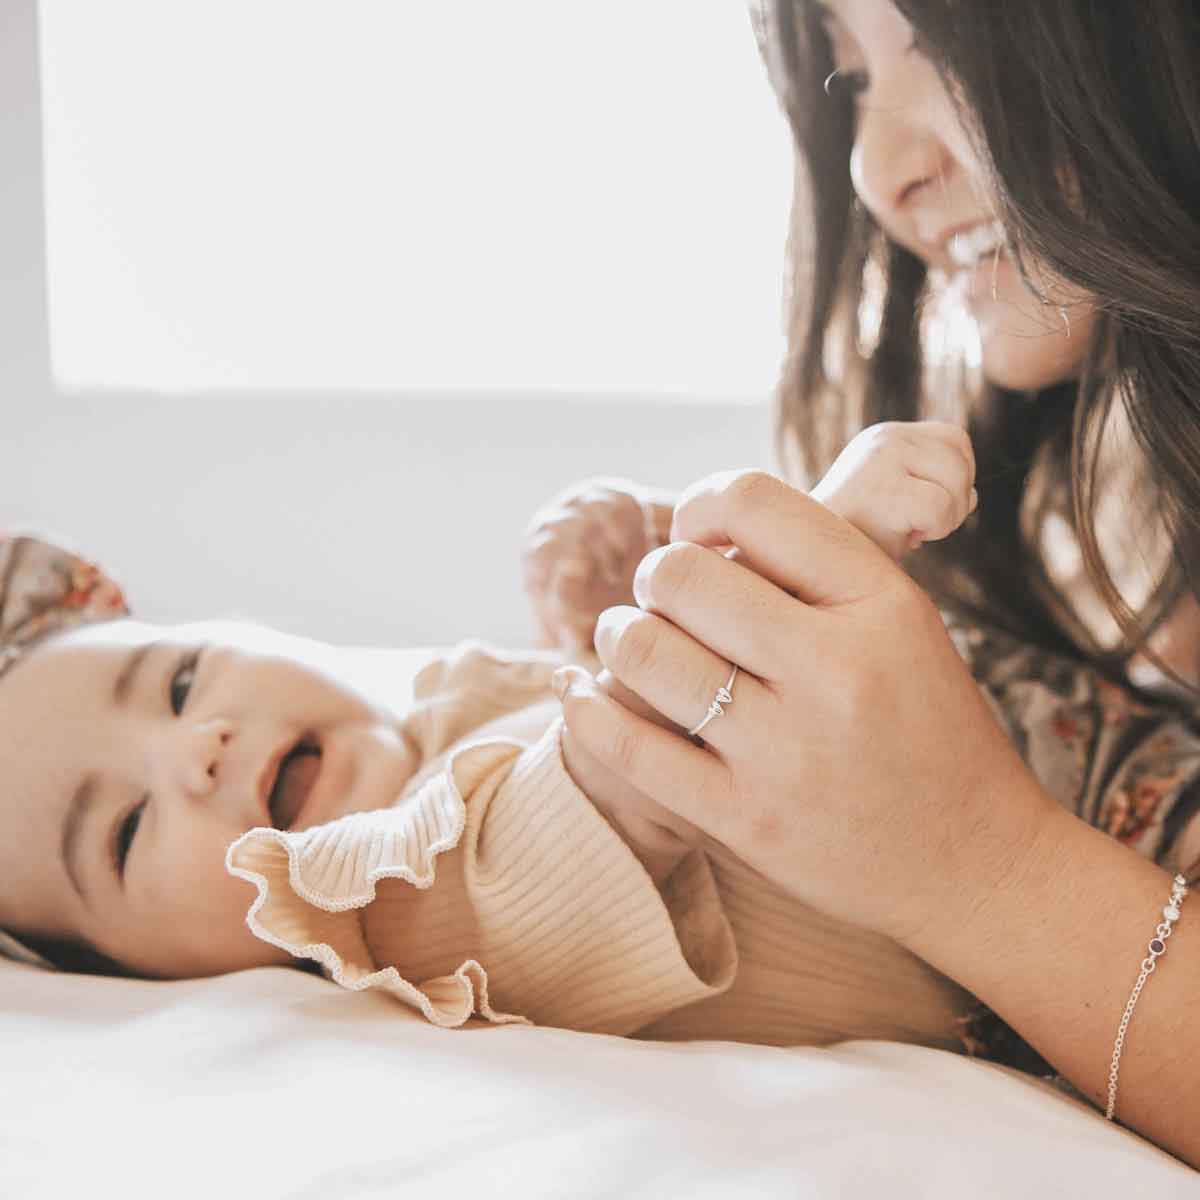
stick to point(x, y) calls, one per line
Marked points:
point(581, 550)
point(903, 483)
point(657, 836)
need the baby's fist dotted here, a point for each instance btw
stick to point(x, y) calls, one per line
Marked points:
point(581, 550)
point(903, 483)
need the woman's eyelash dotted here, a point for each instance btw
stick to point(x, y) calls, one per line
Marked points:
point(126, 832)
point(181, 681)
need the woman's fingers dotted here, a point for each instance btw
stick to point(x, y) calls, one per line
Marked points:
point(785, 536)
point(645, 824)
point(682, 777)
point(678, 677)
point(725, 605)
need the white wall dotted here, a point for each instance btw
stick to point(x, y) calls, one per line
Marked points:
point(356, 517)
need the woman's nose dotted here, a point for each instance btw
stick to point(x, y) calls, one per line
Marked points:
point(896, 163)
point(200, 754)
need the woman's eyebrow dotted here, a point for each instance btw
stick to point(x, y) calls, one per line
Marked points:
point(127, 676)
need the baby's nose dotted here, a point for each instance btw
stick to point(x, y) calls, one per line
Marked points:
point(203, 754)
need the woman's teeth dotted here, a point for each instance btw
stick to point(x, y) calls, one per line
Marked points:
point(967, 248)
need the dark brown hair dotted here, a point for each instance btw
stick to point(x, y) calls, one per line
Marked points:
point(80, 957)
point(1086, 114)
point(76, 955)
point(1106, 95)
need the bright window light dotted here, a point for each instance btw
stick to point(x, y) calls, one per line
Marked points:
point(398, 194)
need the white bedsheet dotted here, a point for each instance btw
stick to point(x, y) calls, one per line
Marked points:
point(273, 1083)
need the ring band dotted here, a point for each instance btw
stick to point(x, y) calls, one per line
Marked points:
point(724, 696)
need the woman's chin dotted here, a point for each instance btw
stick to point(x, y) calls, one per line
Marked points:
point(1029, 351)
point(1029, 363)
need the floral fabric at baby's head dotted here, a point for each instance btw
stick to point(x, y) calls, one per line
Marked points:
point(46, 589)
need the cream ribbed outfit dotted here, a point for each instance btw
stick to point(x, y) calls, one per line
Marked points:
point(493, 889)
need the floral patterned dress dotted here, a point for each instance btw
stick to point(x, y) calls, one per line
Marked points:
point(1127, 765)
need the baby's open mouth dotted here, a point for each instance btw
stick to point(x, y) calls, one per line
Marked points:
point(298, 771)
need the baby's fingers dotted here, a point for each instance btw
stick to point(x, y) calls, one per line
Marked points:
point(944, 467)
point(931, 512)
point(953, 437)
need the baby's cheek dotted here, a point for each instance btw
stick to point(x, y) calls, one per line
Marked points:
point(191, 922)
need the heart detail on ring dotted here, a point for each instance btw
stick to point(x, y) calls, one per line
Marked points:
point(723, 696)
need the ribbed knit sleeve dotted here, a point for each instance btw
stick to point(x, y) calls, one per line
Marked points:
point(496, 890)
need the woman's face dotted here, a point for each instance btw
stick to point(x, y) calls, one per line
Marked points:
point(132, 757)
point(914, 169)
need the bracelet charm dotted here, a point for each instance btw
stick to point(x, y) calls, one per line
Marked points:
point(1157, 947)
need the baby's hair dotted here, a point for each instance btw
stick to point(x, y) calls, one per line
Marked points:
point(79, 957)
point(76, 955)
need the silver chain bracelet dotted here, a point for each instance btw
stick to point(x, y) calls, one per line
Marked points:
point(1157, 946)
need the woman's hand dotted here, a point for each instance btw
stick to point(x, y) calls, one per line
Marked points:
point(857, 764)
point(658, 837)
point(580, 552)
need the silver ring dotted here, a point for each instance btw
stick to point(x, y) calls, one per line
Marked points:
point(724, 696)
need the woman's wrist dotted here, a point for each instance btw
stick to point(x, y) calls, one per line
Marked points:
point(981, 861)
point(1054, 947)
point(992, 880)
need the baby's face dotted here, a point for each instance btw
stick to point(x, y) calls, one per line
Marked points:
point(133, 755)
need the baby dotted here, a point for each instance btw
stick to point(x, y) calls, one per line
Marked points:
point(202, 799)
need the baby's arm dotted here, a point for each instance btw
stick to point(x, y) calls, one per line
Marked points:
point(903, 483)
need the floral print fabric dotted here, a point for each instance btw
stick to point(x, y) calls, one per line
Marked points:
point(1119, 759)
point(45, 589)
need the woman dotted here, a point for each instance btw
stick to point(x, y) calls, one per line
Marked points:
point(1035, 164)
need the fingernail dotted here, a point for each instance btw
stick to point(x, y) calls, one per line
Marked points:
point(974, 500)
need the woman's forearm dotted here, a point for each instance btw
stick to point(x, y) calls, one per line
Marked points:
point(1056, 951)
